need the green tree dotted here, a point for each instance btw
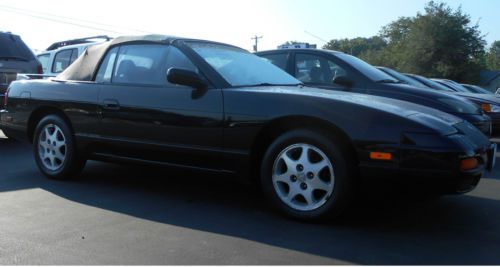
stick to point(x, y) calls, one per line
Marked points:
point(441, 42)
point(493, 56)
point(356, 46)
point(290, 43)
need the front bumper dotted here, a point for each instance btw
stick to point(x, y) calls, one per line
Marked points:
point(495, 122)
point(431, 169)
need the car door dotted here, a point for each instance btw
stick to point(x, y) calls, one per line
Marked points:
point(321, 71)
point(145, 117)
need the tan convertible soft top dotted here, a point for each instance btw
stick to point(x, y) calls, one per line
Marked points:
point(84, 67)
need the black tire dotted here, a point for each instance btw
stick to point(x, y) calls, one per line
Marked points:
point(345, 173)
point(72, 164)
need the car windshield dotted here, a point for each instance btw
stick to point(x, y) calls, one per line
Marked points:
point(453, 86)
point(241, 68)
point(433, 84)
point(403, 78)
point(366, 69)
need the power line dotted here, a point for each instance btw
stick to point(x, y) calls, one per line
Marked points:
point(315, 36)
point(66, 18)
point(61, 21)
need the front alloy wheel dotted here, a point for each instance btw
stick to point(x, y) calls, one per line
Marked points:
point(309, 174)
point(303, 177)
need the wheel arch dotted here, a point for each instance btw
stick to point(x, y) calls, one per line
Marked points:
point(39, 113)
point(276, 127)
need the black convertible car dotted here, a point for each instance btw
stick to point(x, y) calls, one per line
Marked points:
point(215, 107)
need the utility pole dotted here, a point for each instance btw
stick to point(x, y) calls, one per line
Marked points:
point(256, 38)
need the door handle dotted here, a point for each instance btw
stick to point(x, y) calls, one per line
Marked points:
point(112, 104)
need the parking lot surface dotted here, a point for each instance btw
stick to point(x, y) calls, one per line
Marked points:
point(116, 214)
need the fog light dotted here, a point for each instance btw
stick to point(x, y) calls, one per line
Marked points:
point(468, 164)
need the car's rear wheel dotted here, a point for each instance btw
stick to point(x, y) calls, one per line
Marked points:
point(308, 175)
point(54, 149)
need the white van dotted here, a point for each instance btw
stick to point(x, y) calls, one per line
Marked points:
point(61, 54)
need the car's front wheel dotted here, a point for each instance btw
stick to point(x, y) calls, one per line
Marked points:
point(308, 175)
point(54, 149)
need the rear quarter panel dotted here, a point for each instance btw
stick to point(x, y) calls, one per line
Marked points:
point(77, 100)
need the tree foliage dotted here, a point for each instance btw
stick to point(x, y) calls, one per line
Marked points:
point(356, 46)
point(493, 56)
point(290, 43)
point(439, 42)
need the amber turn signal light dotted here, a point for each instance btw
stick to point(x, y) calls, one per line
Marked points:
point(486, 107)
point(468, 164)
point(380, 155)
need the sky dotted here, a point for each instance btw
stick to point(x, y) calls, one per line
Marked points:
point(43, 22)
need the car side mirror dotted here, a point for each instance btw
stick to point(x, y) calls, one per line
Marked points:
point(187, 78)
point(344, 81)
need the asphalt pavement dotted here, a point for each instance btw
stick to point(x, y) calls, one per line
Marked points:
point(115, 214)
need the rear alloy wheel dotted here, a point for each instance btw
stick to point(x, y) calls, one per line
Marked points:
point(54, 149)
point(308, 175)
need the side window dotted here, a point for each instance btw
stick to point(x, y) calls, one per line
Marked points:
point(141, 64)
point(177, 59)
point(61, 60)
point(316, 69)
point(106, 69)
point(74, 55)
point(44, 60)
point(280, 60)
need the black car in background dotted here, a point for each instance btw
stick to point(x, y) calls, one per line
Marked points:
point(476, 89)
point(403, 78)
point(215, 107)
point(452, 85)
point(489, 103)
point(15, 57)
point(339, 71)
point(463, 87)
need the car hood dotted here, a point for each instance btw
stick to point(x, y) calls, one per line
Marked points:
point(450, 103)
point(491, 99)
point(394, 106)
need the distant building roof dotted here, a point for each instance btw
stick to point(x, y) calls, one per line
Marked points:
point(487, 76)
point(297, 45)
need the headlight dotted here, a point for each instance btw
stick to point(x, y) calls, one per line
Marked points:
point(495, 108)
point(490, 108)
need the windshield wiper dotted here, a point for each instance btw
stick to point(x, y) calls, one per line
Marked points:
point(387, 81)
point(271, 84)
